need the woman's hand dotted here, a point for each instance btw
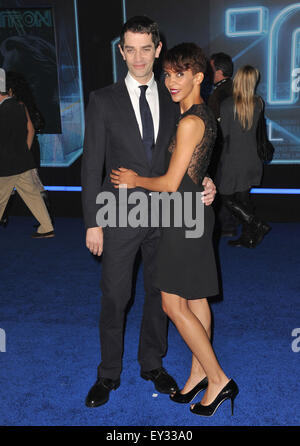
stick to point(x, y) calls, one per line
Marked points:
point(123, 176)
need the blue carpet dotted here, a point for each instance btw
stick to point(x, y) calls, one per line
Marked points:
point(49, 309)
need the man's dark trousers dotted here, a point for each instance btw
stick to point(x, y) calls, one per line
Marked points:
point(120, 249)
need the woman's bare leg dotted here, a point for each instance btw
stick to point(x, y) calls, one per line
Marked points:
point(196, 337)
point(201, 310)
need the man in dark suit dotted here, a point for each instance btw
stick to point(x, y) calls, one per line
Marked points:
point(222, 67)
point(128, 124)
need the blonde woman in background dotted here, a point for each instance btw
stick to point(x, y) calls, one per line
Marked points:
point(240, 167)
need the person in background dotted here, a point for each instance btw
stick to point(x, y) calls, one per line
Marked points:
point(18, 87)
point(222, 69)
point(17, 162)
point(240, 167)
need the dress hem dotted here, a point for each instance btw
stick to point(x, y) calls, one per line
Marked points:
point(180, 294)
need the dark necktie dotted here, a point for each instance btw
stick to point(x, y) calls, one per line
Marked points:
point(147, 123)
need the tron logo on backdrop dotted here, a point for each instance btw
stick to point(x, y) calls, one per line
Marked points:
point(31, 19)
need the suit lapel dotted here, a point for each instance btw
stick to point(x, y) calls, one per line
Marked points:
point(130, 125)
point(125, 108)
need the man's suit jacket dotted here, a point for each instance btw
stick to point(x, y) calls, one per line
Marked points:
point(113, 139)
point(221, 92)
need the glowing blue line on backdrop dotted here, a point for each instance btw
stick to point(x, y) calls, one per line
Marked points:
point(270, 132)
point(280, 92)
point(62, 150)
point(232, 16)
point(270, 191)
point(273, 65)
point(231, 30)
point(249, 47)
point(114, 45)
point(79, 68)
point(253, 190)
point(295, 51)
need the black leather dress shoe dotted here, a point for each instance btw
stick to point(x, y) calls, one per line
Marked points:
point(99, 393)
point(163, 382)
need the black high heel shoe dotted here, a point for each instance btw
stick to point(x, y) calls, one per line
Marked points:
point(184, 398)
point(230, 391)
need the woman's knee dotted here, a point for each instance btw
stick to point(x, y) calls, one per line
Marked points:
point(173, 305)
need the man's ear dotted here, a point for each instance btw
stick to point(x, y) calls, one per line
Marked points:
point(121, 51)
point(158, 50)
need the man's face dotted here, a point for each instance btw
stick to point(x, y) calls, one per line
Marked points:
point(139, 54)
point(218, 74)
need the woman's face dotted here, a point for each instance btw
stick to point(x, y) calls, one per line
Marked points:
point(181, 84)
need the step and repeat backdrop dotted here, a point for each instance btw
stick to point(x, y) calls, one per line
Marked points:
point(41, 40)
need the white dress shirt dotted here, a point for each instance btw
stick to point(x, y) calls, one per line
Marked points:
point(151, 96)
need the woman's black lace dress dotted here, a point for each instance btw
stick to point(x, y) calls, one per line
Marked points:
point(186, 265)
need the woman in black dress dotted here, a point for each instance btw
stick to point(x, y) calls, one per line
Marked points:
point(186, 273)
point(240, 167)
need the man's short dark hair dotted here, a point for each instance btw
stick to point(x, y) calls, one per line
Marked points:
point(223, 62)
point(142, 25)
